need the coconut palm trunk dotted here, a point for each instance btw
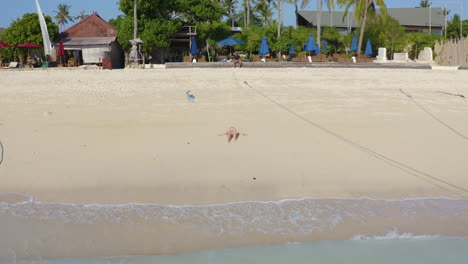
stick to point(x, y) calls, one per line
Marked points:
point(279, 7)
point(361, 12)
point(247, 10)
point(319, 22)
point(331, 5)
point(363, 25)
point(135, 20)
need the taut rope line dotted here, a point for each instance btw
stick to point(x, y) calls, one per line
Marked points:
point(433, 116)
point(1, 153)
point(405, 168)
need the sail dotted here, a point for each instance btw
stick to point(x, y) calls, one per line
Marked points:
point(45, 33)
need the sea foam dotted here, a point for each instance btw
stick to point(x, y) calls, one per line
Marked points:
point(68, 230)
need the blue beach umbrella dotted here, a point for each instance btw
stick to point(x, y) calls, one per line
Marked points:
point(194, 48)
point(368, 51)
point(263, 48)
point(292, 49)
point(354, 44)
point(230, 41)
point(325, 46)
point(310, 45)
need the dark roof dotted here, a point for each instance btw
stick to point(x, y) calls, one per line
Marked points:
point(405, 16)
point(80, 42)
point(91, 27)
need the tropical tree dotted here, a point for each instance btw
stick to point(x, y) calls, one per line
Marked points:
point(279, 10)
point(212, 33)
point(27, 29)
point(331, 6)
point(62, 15)
point(304, 3)
point(386, 32)
point(264, 11)
point(246, 5)
point(230, 7)
point(362, 10)
point(424, 3)
point(454, 26)
point(82, 16)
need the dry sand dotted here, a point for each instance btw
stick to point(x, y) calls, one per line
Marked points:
point(78, 136)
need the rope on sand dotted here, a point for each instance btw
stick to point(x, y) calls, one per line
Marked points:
point(433, 116)
point(1, 153)
point(399, 165)
point(459, 95)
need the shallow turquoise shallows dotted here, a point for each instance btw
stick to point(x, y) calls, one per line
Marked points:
point(401, 251)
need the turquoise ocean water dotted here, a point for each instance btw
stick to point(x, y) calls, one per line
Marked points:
point(382, 251)
point(331, 230)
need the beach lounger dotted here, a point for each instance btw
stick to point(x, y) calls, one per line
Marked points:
point(187, 59)
point(319, 58)
point(12, 65)
point(202, 58)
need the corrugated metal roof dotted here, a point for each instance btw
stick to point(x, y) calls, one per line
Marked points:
point(406, 17)
point(76, 42)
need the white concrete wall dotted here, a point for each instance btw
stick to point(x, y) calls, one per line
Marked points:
point(92, 55)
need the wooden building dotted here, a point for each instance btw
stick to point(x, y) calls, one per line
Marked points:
point(92, 40)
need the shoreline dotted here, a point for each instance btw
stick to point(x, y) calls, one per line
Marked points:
point(58, 231)
point(102, 153)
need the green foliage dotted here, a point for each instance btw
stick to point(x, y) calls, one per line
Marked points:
point(336, 41)
point(27, 29)
point(453, 27)
point(282, 44)
point(153, 32)
point(196, 11)
point(213, 32)
point(125, 27)
point(386, 33)
point(301, 35)
point(156, 32)
point(62, 15)
point(253, 36)
point(150, 8)
point(117, 22)
point(424, 3)
point(2, 30)
point(417, 41)
point(160, 19)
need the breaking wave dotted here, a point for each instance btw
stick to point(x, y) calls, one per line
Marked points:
point(57, 230)
point(395, 234)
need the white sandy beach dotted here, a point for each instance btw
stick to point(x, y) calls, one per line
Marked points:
point(124, 144)
point(79, 136)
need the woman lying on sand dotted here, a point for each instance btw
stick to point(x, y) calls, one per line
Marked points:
point(232, 133)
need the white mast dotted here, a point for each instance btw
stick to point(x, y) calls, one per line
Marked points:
point(45, 33)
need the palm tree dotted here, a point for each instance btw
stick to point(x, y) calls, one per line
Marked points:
point(264, 11)
point(82, 16)
point(304, 3)
point(424, 3)
point(331, 6)
point(62, 15)
point(279, 8)
point(445, 12)
point(246, 4)
point(230, 7)
point(135, 20)
point(361, 12)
